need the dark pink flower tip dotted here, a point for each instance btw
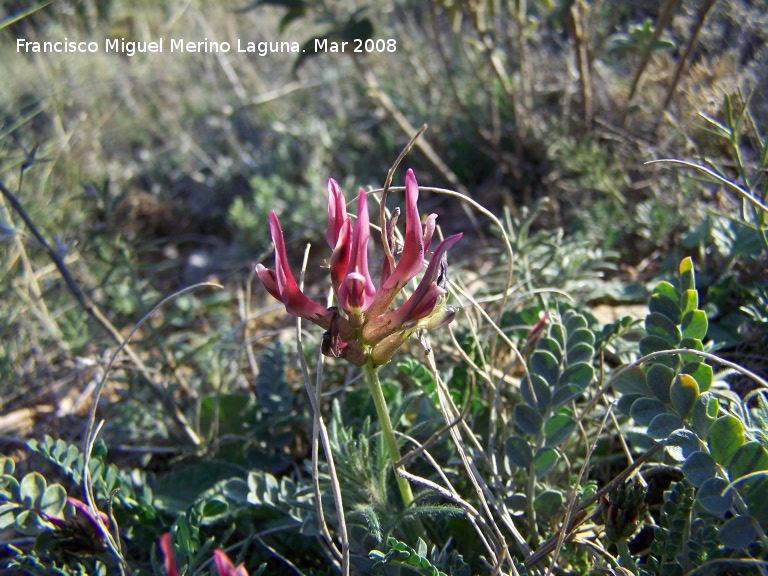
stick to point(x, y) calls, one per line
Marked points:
point(225, 566)
point(337, 212)
point(429, 230)
point(295, 301)
point(167, 548)
point(412, 258)
point(357, 291)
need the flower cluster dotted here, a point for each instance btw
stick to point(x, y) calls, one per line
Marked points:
point(368, 331)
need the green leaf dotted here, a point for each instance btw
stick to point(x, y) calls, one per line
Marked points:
point(631, 381)
point(214, 507)
point(695, 324)
point(536, 392)
point(527, 419)
point(692, 344)
point(667, 290)
point(663, 425)
point(651, 344)
point(689, 301)
point(687, 274)
point(681, 443)
point(660, 325)
point(548, 503)
point(581, 352)
point(54, 500)
point(546, 365)
point(31, 490)
point(574, 322)
point(738, 533)
point(666, 306)
point(699, 467)
point(750, 457)
point(565, 394)
point(726, 436)
point(659, 379)
point(558, 428)
point(581, 336)
point(579, 374)
point(545, 460)
point(550, 345)
point(684, 393)
point(712, 498)
point(701, 372)
point(704, 413)
point(646, 409)
point(519, 451)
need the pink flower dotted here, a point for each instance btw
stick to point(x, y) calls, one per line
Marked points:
point(224, 565)
point(367, 329)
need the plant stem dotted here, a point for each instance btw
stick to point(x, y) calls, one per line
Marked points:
point(625, 556)
point(372, 377)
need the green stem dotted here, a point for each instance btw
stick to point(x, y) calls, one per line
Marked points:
point(625, 556)
point(372, 377)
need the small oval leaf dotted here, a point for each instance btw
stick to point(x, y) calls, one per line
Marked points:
point(631, 381)
point(519, 451)
point(545, 364)
point(659, 379)
point(738, 533)
point(726, 436)
point(548, 503)
point(528, 419)
point(545, 460)
point(750, 457)
point(695, 324)
point(659, 325)
point(684, 393)
point(646, 409)
point(699, 467)
point(713, 498)
point(579, 375)
point(666, 306)
point(701, 372)
point(558, 428)
point(663, 425)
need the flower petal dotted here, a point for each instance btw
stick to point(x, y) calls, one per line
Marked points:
point(295, 301)
point(356, 292)
point(225, 566)
point(169, 563)
point(340, 256)
point(337, 212)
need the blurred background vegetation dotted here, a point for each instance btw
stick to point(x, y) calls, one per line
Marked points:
point(149, 173)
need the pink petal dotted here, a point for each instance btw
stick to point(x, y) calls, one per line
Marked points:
point(412, 258)
point(357, 291)
point(225, 566)
point(337, 212)
point(165, 546)
point(429, 230)
point(340, 256)
point(295, 301)
point(269, 280)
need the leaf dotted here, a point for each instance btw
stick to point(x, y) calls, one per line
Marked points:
point(573, 323)
point(660, 325)
point(536, 392)
point(558, 428)
point(692, 344)
point(581, 352)
point(704, 413)
point(683, 393)
point(544, 461)
point(739, 532)
point(580, 375)
point(726, 436)
point(546, 365)
point(646, 409)
point(666, 306)
point(651, 344)
point(565, 394)
point(527, 419)
point(689, 301)
point(54, 500)
point(699, 467)
point(750, 457)
point(519, 451)
point(701, 372)
point(663, 425)
point(31, 490)
point(687, 274)
point(631, 381)
point(681, 443)
point(695, 324)
point(548, 503)
point(581, 336)
point(659, 378)
point(550, 345)
point(711, 497)
point(667, 290)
